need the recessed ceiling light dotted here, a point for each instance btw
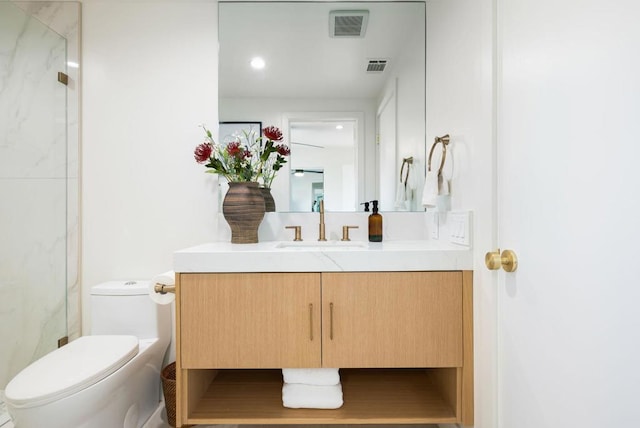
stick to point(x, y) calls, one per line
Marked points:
point(339, 126)
point(257, 63)
point(72, 64)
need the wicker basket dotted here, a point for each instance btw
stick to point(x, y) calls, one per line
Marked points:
point(168, 376)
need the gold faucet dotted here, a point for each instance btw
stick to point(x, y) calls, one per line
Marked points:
point(345, 232)
point(321, 237)
point(298, 232)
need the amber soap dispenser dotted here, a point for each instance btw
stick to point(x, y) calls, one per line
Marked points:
point(375, 224)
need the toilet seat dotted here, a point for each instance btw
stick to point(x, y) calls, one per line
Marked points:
point(70, 369)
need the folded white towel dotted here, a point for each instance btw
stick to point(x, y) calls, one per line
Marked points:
point(430, 191)
point(311, 376)
point(299, 396)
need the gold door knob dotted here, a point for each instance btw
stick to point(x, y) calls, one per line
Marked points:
point(507, 259)
point(493, 260)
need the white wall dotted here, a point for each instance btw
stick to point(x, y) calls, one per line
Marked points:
point(149, 79)
point(460, 103)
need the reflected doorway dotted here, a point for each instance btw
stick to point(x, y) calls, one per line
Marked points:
point(323, 164)
point(307, 189)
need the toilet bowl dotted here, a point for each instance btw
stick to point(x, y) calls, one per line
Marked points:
point(109, 379)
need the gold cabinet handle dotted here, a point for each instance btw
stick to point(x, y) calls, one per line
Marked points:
point(331, 321)
point(311, 321)
point(507, 260)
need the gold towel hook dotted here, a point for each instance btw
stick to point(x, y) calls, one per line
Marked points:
point(445, 142)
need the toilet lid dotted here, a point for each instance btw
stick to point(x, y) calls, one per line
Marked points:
point(70, 369)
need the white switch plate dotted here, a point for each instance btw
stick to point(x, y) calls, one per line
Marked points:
point(459, 227)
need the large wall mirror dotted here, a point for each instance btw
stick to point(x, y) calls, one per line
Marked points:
point(345, 81)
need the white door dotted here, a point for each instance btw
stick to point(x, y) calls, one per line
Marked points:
point(568, 205)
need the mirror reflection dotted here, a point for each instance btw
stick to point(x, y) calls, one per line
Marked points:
point(360, 66)
point(323, 165)
point(307, 189)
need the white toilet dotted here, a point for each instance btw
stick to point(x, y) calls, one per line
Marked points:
point(110, 379)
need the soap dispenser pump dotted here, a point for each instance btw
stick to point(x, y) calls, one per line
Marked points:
point(375, 224)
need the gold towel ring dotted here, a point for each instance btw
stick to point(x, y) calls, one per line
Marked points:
point(445, 142)
point(408, 162)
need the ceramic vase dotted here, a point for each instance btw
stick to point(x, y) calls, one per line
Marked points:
point(243, 208)
point(269, 202)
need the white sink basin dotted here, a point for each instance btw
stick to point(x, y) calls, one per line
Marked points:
point(322, 245)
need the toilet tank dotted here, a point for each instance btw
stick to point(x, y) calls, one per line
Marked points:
point(124, 307)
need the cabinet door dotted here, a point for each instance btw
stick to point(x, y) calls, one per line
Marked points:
point(253, 320)
point(392, 319)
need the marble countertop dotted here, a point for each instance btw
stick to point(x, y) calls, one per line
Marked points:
point(334, 256)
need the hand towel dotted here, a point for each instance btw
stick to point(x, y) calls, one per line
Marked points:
point(406, 191)
point(443, 186)
point(412, 179)
point(311, 376)
point(401, 197)
point(299, 396)
point(430, 191)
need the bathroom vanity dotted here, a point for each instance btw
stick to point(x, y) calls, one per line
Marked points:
point(395, 317)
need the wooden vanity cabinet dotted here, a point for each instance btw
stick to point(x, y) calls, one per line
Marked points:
point(403, 342)
point(249, 320)
point(391, 319)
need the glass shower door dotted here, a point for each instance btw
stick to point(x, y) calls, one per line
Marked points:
point(33, 191)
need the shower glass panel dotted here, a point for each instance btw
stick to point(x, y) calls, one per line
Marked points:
point(33, 191)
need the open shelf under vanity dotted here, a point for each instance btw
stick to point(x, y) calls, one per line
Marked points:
point(409, 396)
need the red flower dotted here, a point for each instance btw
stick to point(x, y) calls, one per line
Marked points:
point(283, 150)
point(234, 149)
point(272, 133)
point(203, 152)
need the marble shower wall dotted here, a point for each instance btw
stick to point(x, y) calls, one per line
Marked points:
point(38, 180)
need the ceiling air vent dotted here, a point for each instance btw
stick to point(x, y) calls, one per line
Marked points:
point(348, 23)
point(376, 65)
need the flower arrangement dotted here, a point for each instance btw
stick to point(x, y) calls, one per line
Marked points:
point(270, 164)
point(249, 157)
